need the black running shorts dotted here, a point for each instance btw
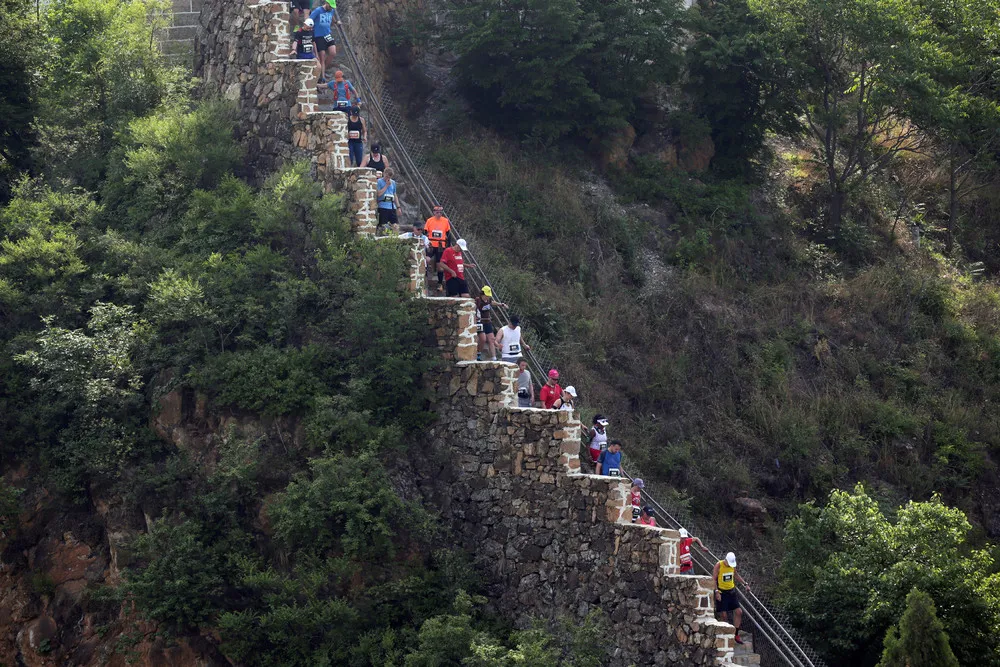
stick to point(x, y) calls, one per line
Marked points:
point(729, 601)
point(325, 42)
point(456, 287)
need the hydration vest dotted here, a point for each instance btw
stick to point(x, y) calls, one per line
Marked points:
point(336, 87)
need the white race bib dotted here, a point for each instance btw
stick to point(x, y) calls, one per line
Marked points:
point(513, 349)
point(388, 197)
point(354, 134)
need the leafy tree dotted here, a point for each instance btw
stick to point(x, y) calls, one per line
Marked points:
point(183, 580)
point(549, 69)
point(739, 79)
point(345, 507)
point(17, 99)
point(90, 382)
point(919, 640)
point(849, 568)
point(967, 121)
point(101, 70)
point(861, 66)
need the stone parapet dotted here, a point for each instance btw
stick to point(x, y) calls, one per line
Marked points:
point(452, 328)
point(551, 540)
point(359, 188)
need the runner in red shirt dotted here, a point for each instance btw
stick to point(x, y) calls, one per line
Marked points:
point(551, 392)
point(636, 495)
point(454, 265)
point(684, 551)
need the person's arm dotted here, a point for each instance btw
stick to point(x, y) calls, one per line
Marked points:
point(531, 387)
point(364, 137)
point(703, 547)
point(334, 11)
point(715, 581)
point(499, 341)
point(385, 161)
point(364, 160)
point(740, 579)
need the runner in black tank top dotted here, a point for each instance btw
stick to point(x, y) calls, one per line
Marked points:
point(370, 161)
point(355, 137)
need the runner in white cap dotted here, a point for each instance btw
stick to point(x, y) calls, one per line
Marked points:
point(726, 600)
point(684, 551)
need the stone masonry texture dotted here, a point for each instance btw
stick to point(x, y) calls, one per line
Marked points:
point(551, 540)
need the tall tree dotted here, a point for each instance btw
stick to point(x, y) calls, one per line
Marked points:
point(861, 65)
point(552, 68)
point(740, 81)
point(967, 121)
point(919, 640)
point(848, 569)
point(17, 103)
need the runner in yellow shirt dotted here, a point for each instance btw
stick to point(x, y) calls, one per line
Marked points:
point(726, 600)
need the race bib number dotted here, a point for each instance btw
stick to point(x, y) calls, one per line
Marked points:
point(479, 327)
point(614, 472)
point(342, 104)
point(354, 134)
point(727, 577)
point(513, 349)
point(388, 197)
point(437, 234)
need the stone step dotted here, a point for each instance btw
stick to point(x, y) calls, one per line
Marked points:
point(746, 659)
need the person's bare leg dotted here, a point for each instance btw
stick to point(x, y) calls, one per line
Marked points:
point(737, 619)
point(491, 341)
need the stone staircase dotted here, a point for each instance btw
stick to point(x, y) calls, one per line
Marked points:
point(515, 473)
point(744, 654)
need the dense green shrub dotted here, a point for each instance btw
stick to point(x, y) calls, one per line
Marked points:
point(849, 568)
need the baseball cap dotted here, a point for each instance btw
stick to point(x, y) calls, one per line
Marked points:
point(338, 75)
point(487, 290)
point(600, 419)
point(731, 559)
point(638, 482)
point(571, 390)
point(463, 244)
point(648, 509)
point(376, 148)
point(309, 23)
point(683, 532)
point(554, 374)
point(355, 111)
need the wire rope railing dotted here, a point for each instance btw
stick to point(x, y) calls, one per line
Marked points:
point(774, 640)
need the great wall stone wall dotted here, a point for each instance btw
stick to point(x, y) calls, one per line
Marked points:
point(507, 481)
point(554, 540)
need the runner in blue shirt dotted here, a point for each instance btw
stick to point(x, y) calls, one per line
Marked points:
point(609, 463)
point(326, 47)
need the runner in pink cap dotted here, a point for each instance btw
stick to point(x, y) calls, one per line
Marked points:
point(551, 392)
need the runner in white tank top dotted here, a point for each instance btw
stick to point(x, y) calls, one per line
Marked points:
point(509, 340)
